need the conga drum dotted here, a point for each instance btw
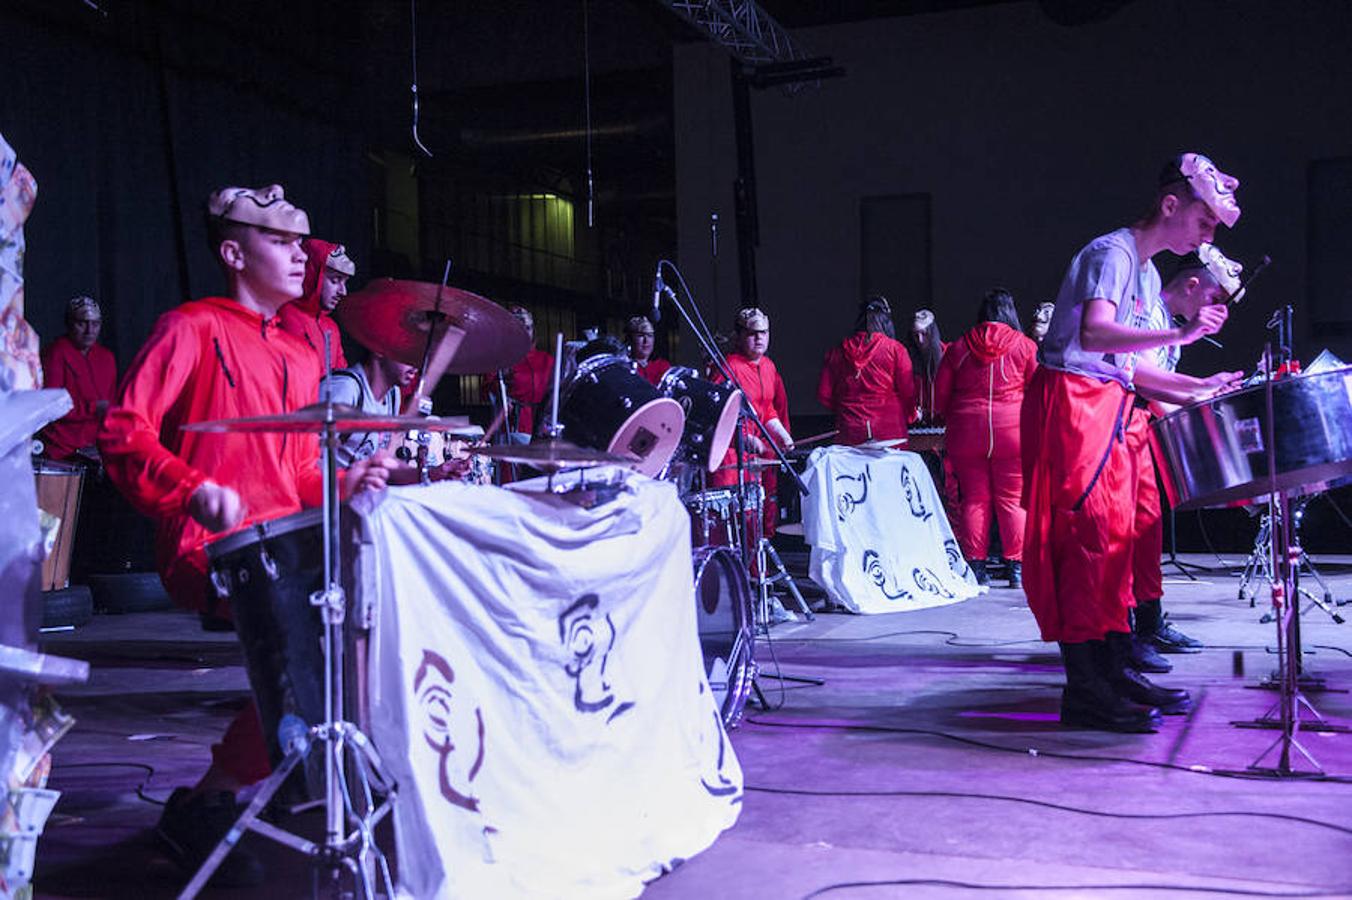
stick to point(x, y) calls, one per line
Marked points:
point(59, 486)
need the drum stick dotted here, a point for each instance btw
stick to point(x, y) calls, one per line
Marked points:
point(493, 426)
point(817, 437)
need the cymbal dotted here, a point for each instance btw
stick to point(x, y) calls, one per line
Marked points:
point(888, 444)
point(390, 317)
point(314, 418)
point(553, 455)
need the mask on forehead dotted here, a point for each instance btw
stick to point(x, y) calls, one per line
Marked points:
point(639, 325)
point(523, 316)
point(1043, 314)
point(924, 318)
point(1220, 267)
point(340, 262)
point(265, 207)
point(1212, 186)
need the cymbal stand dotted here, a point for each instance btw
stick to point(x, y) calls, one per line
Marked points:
point(1287, 713)
point(355, 850)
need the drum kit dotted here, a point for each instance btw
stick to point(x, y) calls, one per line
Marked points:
point(283, 578)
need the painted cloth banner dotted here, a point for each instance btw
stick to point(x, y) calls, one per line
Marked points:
point(538, 690)
point(880, 539)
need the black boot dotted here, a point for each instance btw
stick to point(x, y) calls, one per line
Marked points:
point(1144, 656)
point(1015, 573)
point(1088, 701)
point(191, 826)
point(1115, 659)
point(978, 567)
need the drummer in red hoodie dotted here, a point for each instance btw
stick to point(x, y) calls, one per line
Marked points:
point(214, 358)
point(866, 380)
point(327, 270)
point(978, 392)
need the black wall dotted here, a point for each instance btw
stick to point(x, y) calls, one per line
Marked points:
point(1030, 139)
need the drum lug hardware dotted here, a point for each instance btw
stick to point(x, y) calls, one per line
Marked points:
point(269, 564)
point(332, 603)
point(221, 583)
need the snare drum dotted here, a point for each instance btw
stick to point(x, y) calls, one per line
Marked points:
point(711, 412)
point(713, 515)
point(608, 406)
point(267, 572)
point(723, 613)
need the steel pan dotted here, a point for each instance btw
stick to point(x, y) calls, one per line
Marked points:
point(1215, 452)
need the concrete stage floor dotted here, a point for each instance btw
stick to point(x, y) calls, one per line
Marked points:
point(929, 764)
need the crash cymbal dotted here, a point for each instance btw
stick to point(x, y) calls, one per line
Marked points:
point(313, 418)
point(391, 318)
point(554, 455)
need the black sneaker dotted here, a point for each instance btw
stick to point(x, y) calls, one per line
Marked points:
point(191, 827)
point(1168, 639)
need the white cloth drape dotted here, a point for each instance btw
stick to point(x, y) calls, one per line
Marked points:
point(538, 690)
point(880, 539)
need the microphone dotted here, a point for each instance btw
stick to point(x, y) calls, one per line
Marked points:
point(655, 314)
point(713, 231)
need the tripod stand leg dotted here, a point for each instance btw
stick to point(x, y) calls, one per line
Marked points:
point(784, 576)
point(249, 821)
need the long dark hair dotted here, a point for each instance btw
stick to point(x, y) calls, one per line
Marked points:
point(998, 306)
point(926, 351)
point(875, 316)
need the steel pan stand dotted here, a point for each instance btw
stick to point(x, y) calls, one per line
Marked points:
point(339, 742)
point(1286, 714)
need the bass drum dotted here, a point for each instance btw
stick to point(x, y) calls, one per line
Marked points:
point(608, 406)
point(723, 613)
point(711, 412)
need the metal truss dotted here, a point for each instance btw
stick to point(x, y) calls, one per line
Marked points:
point(742, 27)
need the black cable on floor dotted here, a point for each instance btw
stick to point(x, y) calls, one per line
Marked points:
point(952, 638)
point(140, 788)
point(1162, 889)
point(1033, 751)
point(1046, 804)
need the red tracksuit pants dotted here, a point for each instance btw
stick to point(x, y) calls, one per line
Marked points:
point(987, 488)
point(1147, 577)
point(1080, 492)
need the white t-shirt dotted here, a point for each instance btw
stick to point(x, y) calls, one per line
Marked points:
point(1107, 268)
point(350, 387)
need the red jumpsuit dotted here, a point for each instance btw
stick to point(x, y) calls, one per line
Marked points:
point(212, 359)
point(653, 370)
point(1079, 484)
point(867, 383)
point(1147, 575)
point(89, 379)
point(979, 392)
point(527, 384)
point(764, 390)
point(305, 318)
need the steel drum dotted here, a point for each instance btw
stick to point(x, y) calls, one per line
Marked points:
point(1215, 452)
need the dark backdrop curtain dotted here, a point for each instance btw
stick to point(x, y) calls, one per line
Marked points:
point(128, 124)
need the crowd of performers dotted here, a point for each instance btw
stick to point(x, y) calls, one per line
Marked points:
point(1050, 446)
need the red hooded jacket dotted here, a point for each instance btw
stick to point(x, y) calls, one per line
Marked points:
point(867, 383)
point(210, 359)
point(304, 318)
point(88, 378)
point(979, 389)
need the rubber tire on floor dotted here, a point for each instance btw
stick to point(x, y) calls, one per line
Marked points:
point(129, 592)
point(69, 606)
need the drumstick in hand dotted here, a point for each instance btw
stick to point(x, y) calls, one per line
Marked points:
point(493, 426)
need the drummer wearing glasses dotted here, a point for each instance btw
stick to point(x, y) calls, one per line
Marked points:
point(213, 358)
point(1080, 477)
